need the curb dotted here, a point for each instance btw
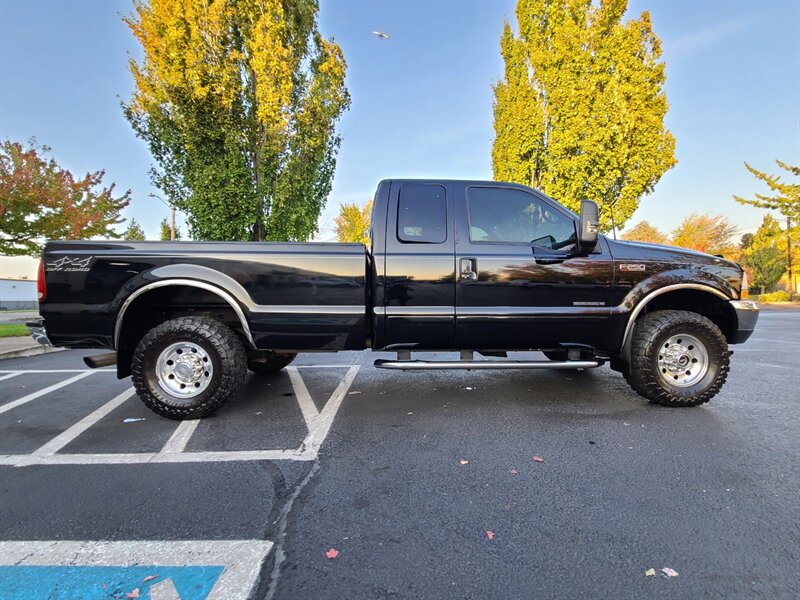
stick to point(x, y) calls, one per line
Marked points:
point(28, 351)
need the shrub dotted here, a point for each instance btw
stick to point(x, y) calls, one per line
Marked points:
point(779, 296)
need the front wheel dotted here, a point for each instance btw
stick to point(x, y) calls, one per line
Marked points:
point(678, 358)
point(186, 368)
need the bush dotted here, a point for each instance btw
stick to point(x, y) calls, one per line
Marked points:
point(779, 296)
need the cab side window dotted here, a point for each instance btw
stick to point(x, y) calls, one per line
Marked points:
point(422, 214)
point(504, 215)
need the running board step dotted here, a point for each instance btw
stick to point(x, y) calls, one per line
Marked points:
point(420, 365)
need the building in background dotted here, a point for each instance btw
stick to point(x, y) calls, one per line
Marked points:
point(17, 294)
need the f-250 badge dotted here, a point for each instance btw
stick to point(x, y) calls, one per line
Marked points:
point(631, 267)
point(68, 263)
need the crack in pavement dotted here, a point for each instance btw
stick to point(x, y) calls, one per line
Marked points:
point(280, 531)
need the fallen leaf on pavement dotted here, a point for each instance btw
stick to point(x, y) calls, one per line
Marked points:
point(490, 535)
point(538, 459)
point(149, 578)
point(669, 572)
point(650, 572)
point(133, 594)
point(464, 461)
point(332, 553)
point(513, 472)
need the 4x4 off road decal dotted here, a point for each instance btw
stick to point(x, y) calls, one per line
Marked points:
point(632, 267)
point(69, 263)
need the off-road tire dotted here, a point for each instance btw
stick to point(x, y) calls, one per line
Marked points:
point(650, 332)
point(270, 365)
point(224, 349)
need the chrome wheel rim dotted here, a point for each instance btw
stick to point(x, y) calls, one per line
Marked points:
point(184, 369)
point(682, 360)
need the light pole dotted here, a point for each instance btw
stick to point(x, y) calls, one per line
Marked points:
point(172, 222)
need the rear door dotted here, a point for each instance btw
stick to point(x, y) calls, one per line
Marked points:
point(520, 283)
point(419, 269)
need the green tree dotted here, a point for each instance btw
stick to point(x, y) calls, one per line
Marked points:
point(352, 224)
point(765, 257)
point(40, 200)
point(134, 232)
point(238, 101)
point(786, 196)
point(645, 232)
point(166, 231)
point(705, 233)
point(580, 110)
point(746, 241)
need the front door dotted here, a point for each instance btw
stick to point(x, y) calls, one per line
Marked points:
point(520, 282)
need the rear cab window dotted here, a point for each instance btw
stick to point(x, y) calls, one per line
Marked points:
point(422, 214)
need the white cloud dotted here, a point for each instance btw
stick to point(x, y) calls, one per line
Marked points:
point(691, 43)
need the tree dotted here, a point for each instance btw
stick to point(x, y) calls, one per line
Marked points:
point(40, 200)
point(746, 241)
point(166, 231)
point(786, 198)
point(705, 233)
point(134, 232)
point(352, 224)
point(238, 101)
point(645, 232)
point(580, 110)
point(765, 258)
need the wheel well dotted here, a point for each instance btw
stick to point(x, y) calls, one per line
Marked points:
point(165, 303)
point(703, 303)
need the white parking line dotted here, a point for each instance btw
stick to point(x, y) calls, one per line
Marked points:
point(47, 390)
point(323, 423)
point(173, 451)
point(307, 406)
point(70, 434)
point(10, 375)
point(208, 569)
point(42, 371)
point(180, 438)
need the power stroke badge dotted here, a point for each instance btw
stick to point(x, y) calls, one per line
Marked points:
point(69, 263)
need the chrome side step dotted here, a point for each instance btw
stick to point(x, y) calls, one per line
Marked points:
point(420, 365)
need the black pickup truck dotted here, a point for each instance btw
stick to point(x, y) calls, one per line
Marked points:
point(472, 267)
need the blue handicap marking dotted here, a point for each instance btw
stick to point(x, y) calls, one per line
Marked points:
point(24, 582)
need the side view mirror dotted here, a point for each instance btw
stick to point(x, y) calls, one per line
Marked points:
point(590, 225)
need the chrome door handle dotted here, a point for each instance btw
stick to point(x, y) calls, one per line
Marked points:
point(468, 269)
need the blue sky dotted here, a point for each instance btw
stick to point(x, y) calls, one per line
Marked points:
point(421, 101)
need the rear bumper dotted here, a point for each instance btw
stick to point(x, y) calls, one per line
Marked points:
point(39, 332)
point(746, 318)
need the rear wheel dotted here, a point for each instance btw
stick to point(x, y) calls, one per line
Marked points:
point(678, 358)
point(271, 363)
point(186, 368)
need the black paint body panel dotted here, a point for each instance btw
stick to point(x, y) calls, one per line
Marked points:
point(395, 294)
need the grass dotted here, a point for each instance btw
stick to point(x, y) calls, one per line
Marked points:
point(13, 330)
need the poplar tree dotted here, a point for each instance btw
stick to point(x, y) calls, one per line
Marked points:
point(352, 223)
point(579, 112)
point(238, 101)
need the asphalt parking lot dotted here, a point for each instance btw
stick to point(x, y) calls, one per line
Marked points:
point(423, 482)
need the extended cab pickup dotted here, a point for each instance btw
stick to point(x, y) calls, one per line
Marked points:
point(474, 267)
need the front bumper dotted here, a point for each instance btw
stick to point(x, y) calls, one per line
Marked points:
point(746, 318)
point(39, 332)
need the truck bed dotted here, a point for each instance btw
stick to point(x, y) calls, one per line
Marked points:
point(293, 295)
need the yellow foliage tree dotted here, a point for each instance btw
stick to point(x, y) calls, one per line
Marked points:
point(352, 224)
point(238, 101)
point(579, 112)
point(705, 233)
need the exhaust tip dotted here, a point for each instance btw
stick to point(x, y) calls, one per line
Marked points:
point(101, 360)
